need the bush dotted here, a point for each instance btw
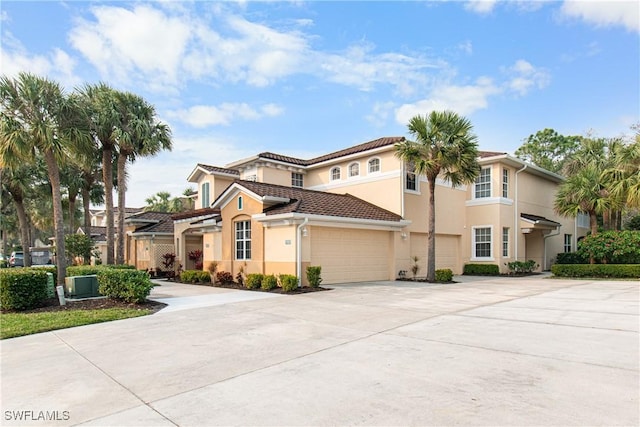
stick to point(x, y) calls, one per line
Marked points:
point(521, 267)
point(289, 282)
point(195, 276)
point(444, 275)
point(22, 289)
point(481, 269)
point(269, 282)
point(124, 284)
point(254, 281)
point(571, 258)
point(48, 269)
point(624, 271)
point(87, 270)
point(313, 276)
point(224, 277)
point(612, 247)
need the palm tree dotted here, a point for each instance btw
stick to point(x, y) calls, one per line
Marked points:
point(163, 202)
point(139, 134)
point(445, 146)
point(624, 175)
point(14, 181)
point(37, 118)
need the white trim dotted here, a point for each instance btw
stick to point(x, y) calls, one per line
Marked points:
point(369, 160)
point(476, 183)
point(331, 178)
point(473, 243)
point(360, 180)
point(489, 201)
point(349, 176)
point(332, 221)
point(348, 157)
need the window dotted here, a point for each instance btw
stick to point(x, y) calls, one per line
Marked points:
point(240, 203)
point(335, 174)
point(505, 183)
point(410, 180)
point(505, 242)
point(583, 220)
point(296, 180)
point(482, 242)
point(374, 165)
point(204, 195)
point(567, 242)
point(354, 169)
point(483, 184)
point(243, 240)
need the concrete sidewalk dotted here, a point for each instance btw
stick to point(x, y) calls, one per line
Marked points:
point(526, 351)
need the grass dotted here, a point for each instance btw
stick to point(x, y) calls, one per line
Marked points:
point(20, 324)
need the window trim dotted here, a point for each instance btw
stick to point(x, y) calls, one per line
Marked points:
point(410, 170)
point(204, 195)
point(568, 244)
point(476, 184)
point(337, 169)
point(505, 183)
point(474, 256)
point(369, 171)
point(245, 248)
point(350, 175)
point(240, 203)
point(293, 180)
point(505, 242)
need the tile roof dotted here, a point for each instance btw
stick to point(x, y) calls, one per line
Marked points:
point(537, 218)
point(483, 154)
point(318, 203)
point(218, 169)
point(98, 234)
point(149, 215)
point(194, 213)
point(164, 226)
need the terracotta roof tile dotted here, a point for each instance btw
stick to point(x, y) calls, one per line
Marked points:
point(318, 203)
point(218, 169)
point(483, 154)
point(194, 213)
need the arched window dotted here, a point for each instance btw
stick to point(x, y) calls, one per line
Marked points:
point(374, 165)
point(354, 169)
point(335, 174)
point(240, 203)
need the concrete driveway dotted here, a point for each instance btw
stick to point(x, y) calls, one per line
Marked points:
point(490, 352)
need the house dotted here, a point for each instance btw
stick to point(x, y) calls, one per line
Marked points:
point(361, 214)
point(98, 229)
point(148, 236)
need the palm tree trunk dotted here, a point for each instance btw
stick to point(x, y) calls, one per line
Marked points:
point(107, 178)
point(431, 234)
point(54, 178)
point(122, 189)
point(72, 213)
point(24, 230)
point(86, 211)
point(593, 223)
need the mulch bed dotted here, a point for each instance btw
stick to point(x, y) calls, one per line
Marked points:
point(52, 304)
point(234, 285)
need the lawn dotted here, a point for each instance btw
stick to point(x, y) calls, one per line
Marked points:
point(19, 324)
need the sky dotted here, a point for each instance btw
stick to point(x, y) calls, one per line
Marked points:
point(236, 78)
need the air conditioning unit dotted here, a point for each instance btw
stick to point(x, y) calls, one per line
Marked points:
point(81, 286)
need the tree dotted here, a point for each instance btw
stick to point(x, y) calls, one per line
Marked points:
point(548, 149)
point(78, 246)
point(14, 182)
point(445, 146)
point(37, 118)
point(138, 134)
point(162, 202)
point(624, 173)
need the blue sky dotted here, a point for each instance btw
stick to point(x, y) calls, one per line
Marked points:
point(233, 79)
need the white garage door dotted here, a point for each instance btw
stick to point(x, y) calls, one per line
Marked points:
point(447, 255)
point(350, 255)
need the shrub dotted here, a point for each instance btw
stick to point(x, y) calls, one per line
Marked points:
point(212, 268)
point(269, 282)
point(633, 223)
point(78, 246)
point(168, 261)
point(289, 282)
point(521, 267)
point(195, 276)
point(444, 275)
point(625, 271)
point(253, 281)
point(22, 289)
point(313, 276)
point(481, 269)
point(48, 269)
point(224, 277)
point(86, 270)
point(612, 247)
point(571, 258)
point(124, 284)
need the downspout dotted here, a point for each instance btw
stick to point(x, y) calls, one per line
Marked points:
point(515, 215)
point(299, 251)
point(544, 260)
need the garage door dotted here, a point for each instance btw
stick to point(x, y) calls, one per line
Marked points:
point(447, 255)
point(350, 255)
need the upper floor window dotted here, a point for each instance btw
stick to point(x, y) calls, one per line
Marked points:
point(411, 179)
point(240, 203)
point(243, 240)
point(374, 165)
point(483, 184)
point(354, 169)
point(335, 174)
point(204, 195)
point(567, 242)
point(296, 180)
point(505, 183)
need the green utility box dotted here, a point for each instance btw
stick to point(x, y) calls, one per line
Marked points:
point(51, 287)
point(82, 286)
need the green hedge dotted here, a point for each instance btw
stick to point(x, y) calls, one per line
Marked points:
point(87, 270)
point(289, 282)
point(269, 282)
point(444, 275)
point(625, 271)
point(571, 258)
point(313, 276)
point(22, 289)
point(481, 270)
point(195, 276)
point(126, 285)
point(48, 269)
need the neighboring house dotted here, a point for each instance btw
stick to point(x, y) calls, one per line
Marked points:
point(99, 237)
point(361, 214)
point(98, 232)
point(99, 216)
point(149, 235)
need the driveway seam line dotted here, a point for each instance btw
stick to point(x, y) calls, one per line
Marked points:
point(546, 323)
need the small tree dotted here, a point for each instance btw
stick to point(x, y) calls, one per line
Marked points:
point(78, 246)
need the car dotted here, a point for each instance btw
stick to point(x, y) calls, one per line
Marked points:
point(16, 259)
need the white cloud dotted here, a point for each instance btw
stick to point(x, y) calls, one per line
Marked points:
point(480, 6)
point(524, 77)
point(209, 115)
point(380, 113)
point(605, 13)
point(463, 100)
